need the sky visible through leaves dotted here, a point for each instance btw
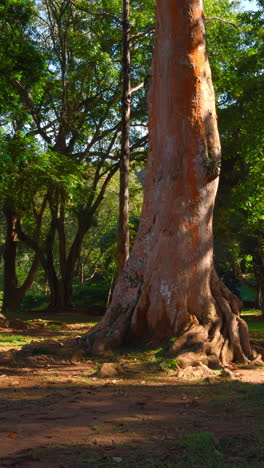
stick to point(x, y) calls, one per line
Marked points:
point(249, 4)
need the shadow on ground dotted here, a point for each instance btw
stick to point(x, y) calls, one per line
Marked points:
point(97, 423)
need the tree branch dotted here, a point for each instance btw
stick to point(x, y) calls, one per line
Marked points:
point(141, 34)
point(100, 197)
point(211, 18)
point(96, 13)
point(139, 142)
point(133, 90)
point(30, 276)
point(27, 100)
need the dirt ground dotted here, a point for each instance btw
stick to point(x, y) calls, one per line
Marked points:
point(59, 413)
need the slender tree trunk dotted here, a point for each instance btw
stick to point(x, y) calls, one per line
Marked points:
point(13, 293)
point(81, 272)
point(62, 239)
point(60, 287)
point(72, 259)
point(55, 284)
point(123, 234)
point(258, 259)
point(169, 286)
point(46, 258)
point(10, 300)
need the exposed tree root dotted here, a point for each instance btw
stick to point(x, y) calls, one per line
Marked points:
point(213, 339)
point(114, 328)
point(223, 340)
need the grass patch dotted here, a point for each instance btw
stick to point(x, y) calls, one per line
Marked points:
point(200, 450)
point(204, 449)
point(13, 340)
point(254, 312)
point(60, 318)
point(169, 364)
point(255, 326)
point(54, 327)
point(17, 341)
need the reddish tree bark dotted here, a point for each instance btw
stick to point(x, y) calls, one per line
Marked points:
point(169, 286)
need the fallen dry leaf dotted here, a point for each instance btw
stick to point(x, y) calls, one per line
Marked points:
point(12, 435)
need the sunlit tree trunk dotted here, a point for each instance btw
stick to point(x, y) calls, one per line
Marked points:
point(169, 286)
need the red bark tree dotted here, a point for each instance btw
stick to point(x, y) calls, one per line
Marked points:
point(169, 286)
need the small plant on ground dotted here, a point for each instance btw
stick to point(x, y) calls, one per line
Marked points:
point(169, 364)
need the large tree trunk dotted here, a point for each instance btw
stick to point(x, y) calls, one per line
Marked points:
point(169, 286)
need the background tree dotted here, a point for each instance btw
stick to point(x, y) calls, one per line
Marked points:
point(73, 109)
point(239, 208)
point(20, 178)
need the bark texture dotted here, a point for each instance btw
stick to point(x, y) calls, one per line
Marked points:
point(169, 286)
point(123, 234)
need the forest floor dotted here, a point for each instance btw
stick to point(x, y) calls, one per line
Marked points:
point(56, 412)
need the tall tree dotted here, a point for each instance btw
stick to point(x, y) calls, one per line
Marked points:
point(123, 232)
point(169, 286)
